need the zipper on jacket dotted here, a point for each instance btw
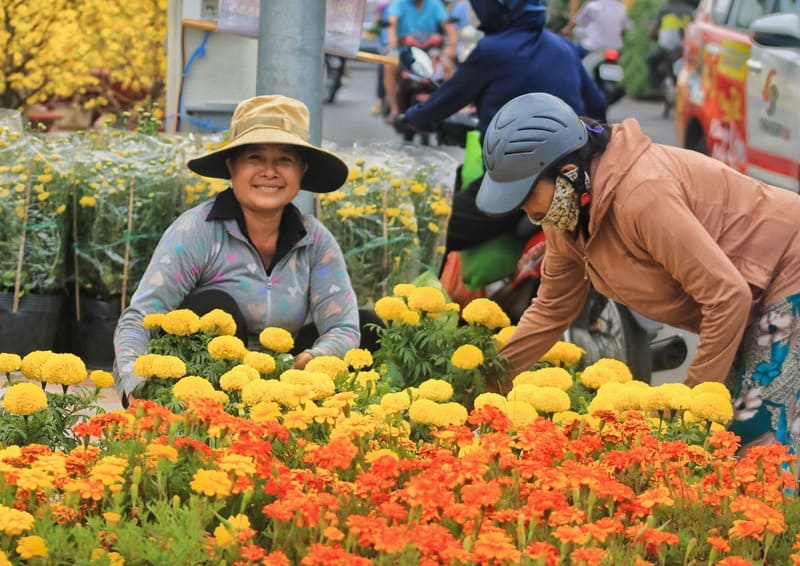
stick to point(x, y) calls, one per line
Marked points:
point(585, 268)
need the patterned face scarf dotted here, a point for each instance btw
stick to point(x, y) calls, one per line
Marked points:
point(563, 211)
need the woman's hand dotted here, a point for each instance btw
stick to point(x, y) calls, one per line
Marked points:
point(302, 359)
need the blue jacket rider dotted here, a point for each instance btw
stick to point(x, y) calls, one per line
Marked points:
point(515, 56)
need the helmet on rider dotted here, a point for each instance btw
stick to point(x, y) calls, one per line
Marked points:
point(496, 15)
point(527, 137)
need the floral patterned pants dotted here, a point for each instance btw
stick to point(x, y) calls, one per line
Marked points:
point(767, 378)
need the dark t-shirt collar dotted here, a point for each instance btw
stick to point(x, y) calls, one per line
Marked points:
point(290, 231)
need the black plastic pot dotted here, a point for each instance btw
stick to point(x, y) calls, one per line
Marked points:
point(93, 339)
point(32, 327)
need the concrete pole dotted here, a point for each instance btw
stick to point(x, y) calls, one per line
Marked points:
point(291, 60)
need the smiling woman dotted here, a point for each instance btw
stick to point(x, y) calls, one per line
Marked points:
point(250, 251)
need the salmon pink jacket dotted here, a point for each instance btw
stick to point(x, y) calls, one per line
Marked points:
point(677, 236)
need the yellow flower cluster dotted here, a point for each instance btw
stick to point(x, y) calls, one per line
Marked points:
point(24, 399)
point(181, 322)
point(160, 366)
point(553, 377)
point(435, 390)
point(9, 362)
point(543, 399)
point(260, 361)
point(358, 358)
point(218, 322)
point(428, 412)
point(14, 522)
point(227, 348)
point(563, 354)
point(605, 370)
point(276, 339)
point(31, 364)
point(467, 357)
point(102, 378)
point(486, 313)
point(63, 369)
point(237, 377)
point(427, 299)
point(313, 383)
point(329, 365)
point(193, 387)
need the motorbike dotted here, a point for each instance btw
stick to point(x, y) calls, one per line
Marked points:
point(604, 67)
point(668, 69)
point(604, 327)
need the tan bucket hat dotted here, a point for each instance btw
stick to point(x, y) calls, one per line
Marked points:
point(275, 119)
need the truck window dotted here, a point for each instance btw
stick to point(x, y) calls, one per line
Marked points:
point(747, 11)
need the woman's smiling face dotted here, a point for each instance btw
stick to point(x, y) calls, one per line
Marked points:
point(266, 177)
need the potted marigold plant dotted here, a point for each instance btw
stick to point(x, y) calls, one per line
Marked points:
point(35, 177)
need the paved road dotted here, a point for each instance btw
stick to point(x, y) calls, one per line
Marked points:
point(348, 122)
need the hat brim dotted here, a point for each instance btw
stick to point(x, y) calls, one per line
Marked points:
point(326, 172)
point(501, 199)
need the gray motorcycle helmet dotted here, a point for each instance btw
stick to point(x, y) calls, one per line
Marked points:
point(526, 137)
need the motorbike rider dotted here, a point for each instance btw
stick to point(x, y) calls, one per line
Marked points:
point(600, 25)
point(674, 234)
point(667, 32)
point(515, 56)
point(410, 17)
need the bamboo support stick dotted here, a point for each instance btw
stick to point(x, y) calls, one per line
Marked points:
point(125, 265)
point(75, 251)
point(385, 219)
point(23, 237)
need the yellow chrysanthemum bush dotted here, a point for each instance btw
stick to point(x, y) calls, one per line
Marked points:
point(42, 402)
point(390, 216)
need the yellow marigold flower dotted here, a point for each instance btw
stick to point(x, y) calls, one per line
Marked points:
point(31, 547)
point(112, 517)
point(165, 451)
point(551, 400)
point(373, 455)
point(712, 407)
point(680, 395)
point(102, 378)
point(410, 318)
point(225, 537)
point(236, 378)
point(330, 365)
point(220, 397)
point(87, 201)
point(10, 362)
point(706, 387)
point(276, 339)
point(33, 479)
point(260, 361)
point(153, 320)
point(219, 322)
point(435, 390)
point(390, 308)
point(427, 299)
point(31, 365)
point(395, 402)
point(367, 380)
point(493, 399)
point(424, 411)
point(161, 366)
point(595, 375)
point(237, 464)
point(452, 414)
point(452, 307)
point(657, 399)
point(358, 358)
point(181, 322)
point(566, 417)
point(14, 522)
point(298, 419)
point(520, 413)
point(502, 337)
point(486, 313)
point(550, 377)
point(101, 556)
point(226, 348)
point(623, 372)
point(318, 383)
point(563, 354)
point(264, 412)
point(403, 289)
point(24, 399)
point(467, 357)
point(191, 387)
point(65, 369)
point(292, 394)
point(211, 483)
point(259, 390)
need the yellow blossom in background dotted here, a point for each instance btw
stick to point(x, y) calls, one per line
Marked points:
point(330, 365)
point(485, 312)
point(566, 417)
point(428, 412)
point(657, 399)
point(31, 547)
point(153, 320)
point(211, 483)
point(435, 390)
point(427, 299)
point(64, 369)
point(623, 373)
point(358, 358)
point(264, 412)
point(492, 399)
point(181, 322)
point(31, 365)
point(226, 348)
point(563, 354)
point(160, 366)
point(373, 455)
point(318, 384)
point(403, 289)
point(260, 390)
point(10, 362)
point(410, 318)
point(552, 377)
point(520, 413)
point(276, 339)
point(395, 402)
point(219, 322)
point(467, 357)
point(158, 451)
point(102, 378)
point(595, 376)
point(34, 479)
point(24, 399)
point(191, 387)
point(366, 380)
point(712, 387)
point(680, 395)
point(14, 522)
point(87, 201)
point(261, 361)
point(502, 337)
point(712, 407)
point(236, 378)
point(226, 536)
point(390, 308)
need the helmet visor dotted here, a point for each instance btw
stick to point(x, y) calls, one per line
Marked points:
point(497, 198)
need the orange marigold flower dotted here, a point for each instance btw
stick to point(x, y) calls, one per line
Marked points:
point(212, 483)
point(743, 529)
point(543, 551)
point(481, 494)
point(568, 534)
point(497, 546)
point(337, 454)
point(589, 556)
point(734, 561)
point(719, 543)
